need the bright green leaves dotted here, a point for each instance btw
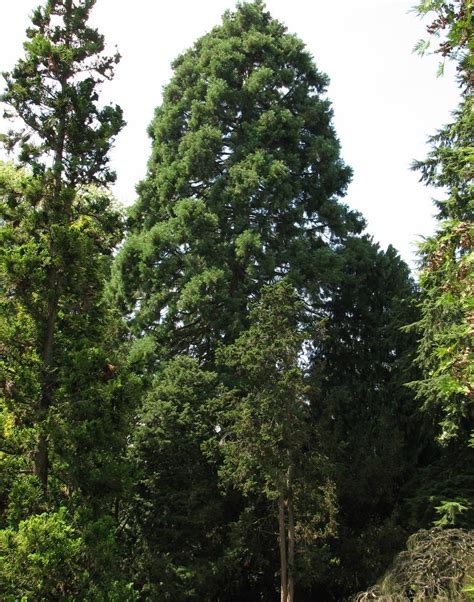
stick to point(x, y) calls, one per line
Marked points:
point(41, 557)
point(449, 513)
point(258, 81)
point(49, 556)
point(248, 245)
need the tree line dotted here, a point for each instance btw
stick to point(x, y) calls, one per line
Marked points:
point(229, 391)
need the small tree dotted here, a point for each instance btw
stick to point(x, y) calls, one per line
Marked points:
point(265, 433)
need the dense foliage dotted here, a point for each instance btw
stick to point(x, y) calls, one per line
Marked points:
point(64, 405)
point(232, 394)
point(242, 187)
point(447, 274)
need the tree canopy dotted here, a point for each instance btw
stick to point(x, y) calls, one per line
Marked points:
point(230, 392)
point(243, 186)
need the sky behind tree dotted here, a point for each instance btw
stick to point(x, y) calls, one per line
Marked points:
point(386, 99)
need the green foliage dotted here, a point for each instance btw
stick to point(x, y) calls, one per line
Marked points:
point(449, 511)
point(366, 418)
point(443, 490)
point(267, 346)
point(263, 413)
point(176, 530)
point(469, 589)
point(58, 230)
point(41, 558)
point(48, 557)
point(53, 92)
point(452, 30)
point(447, 281)
point(266, 437)
point(86, 401)
point(65, 400)
point(242, 186)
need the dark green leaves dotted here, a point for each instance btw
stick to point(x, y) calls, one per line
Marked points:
point(245, 133)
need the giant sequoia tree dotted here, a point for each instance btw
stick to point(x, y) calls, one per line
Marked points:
point(242, 186)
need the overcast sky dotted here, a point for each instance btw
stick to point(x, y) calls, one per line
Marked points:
point(386, 99)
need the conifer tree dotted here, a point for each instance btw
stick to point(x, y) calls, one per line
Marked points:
point(64, 400)
point(56, 232)
point(367, 418)
point(175, 530)
point(447, 274)
point(266, 436)
point(243, 186)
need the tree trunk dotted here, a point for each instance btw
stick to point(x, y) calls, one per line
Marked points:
point(291, 550)
point(282, 542)
point(40, 467)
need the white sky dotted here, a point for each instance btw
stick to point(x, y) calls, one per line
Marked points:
point(386, 99)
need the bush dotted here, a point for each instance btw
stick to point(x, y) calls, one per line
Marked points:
point(437, 566)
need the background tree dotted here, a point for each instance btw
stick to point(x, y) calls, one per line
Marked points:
point(266, 436)
point(175, 533)
point(366, 418)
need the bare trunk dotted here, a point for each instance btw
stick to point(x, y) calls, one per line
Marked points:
point(291, 551)
point(40, 467)
point(282, 542)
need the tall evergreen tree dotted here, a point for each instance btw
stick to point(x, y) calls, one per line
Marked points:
point(65, 141)
point(242, 186)
point(63, 404)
